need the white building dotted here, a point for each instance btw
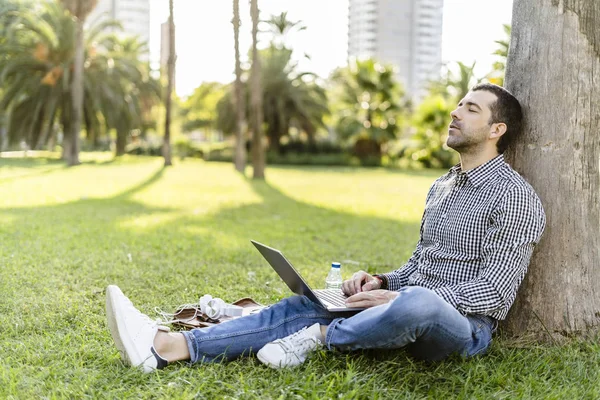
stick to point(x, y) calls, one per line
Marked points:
point(134, 15)
point(404, 33)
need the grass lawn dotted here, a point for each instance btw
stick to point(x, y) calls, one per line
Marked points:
point(168, 236)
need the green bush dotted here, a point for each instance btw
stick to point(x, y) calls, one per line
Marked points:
point(102, 144)
point(309, 159)
point(144, 149)
point(185, 148)
point(303, 147)
point(427, 146)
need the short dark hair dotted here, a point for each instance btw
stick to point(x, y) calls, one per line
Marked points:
point(505, 109)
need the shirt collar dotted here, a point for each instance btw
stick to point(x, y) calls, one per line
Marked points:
point(482, 173)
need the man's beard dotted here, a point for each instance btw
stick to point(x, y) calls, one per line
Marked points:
point(464, 143)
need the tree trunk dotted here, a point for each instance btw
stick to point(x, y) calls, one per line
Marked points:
point(258, 148)
point(77, 95)
point(51, 140)
point(91, 135)
point(273, 134)
point(166, 148)
point(43, 141)
point(3, 138)
point(66, 138)
point(554, 69)
point(240, 149)
point(121, 142)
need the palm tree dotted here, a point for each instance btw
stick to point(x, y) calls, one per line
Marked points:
point(428, 145)
point(166, 148)
point(462, 81)
point(199, 110)
point(455, 84)
point(240, 148)
point(280, 26)
point(80, 9)
point(34, 65)
point(36, 76)
point(371, 107)
point(258, 150)
point(125, 87)
point(289, 97)
point(8, 10)
point(499, 67)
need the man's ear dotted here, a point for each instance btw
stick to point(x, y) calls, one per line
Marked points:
point(497, 130)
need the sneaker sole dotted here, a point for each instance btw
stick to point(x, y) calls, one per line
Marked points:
point(116, 326)
point(266, 362)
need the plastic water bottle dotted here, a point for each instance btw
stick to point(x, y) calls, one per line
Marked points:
point(334, 277)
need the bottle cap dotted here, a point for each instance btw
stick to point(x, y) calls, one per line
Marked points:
point(336, 265)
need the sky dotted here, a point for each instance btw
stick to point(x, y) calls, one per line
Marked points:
point(204, 38)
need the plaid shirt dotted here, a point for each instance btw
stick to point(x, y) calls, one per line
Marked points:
point(477, 235)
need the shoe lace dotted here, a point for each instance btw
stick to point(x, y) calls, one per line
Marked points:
point(146, 319)
point(298, 342)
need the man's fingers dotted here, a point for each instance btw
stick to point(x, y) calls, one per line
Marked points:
point(355, 285)
point(368, 286)
point(358, 297)
point(347, 287)
point(360, 304)
point(358, 283)
point(359, 300)
point(358, 279)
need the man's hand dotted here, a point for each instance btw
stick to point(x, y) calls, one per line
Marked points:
point(360, 282)
point(371, 298)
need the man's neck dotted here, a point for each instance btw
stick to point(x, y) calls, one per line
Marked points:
point(471, 160)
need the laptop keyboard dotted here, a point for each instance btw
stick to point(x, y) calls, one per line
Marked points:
point(333, 296)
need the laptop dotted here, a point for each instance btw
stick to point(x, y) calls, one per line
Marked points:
point(331, 299)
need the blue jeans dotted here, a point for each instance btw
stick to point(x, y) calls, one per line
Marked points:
point(417, 319)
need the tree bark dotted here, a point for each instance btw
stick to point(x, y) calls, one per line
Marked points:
point(273, 135)
point(77, 95)
point(3, 139)
point(554, 69)
point(166, 148)
point(240, 109)
point(258, 148)
point(121, 143)
point(66, 139)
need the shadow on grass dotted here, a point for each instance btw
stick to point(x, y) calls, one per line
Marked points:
point(155, 177)
point(29, 162)
point(36, 166)
point(34, 173)
point(100, 234)
point(100, 162)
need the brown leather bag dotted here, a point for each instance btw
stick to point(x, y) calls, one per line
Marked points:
point(192, 317)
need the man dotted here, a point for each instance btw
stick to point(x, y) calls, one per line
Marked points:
point(478, 231)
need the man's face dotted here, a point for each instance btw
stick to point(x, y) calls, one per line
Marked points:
point(470, 128)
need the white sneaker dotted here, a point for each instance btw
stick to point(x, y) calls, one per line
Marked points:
point(292, 350)
point(132, 331)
